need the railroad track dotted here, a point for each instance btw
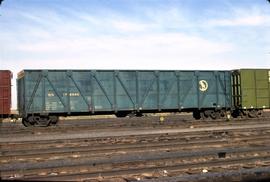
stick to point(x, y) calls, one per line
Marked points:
point(127, 132)
point(132, 155)
point(81, 142)
point(127, 166)
point(70, 149)
point(123, 123)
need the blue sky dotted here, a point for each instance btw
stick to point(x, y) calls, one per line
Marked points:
point(134, 34)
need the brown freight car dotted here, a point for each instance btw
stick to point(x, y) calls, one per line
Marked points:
point(5, 93)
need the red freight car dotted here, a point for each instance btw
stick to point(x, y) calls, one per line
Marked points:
point(5, 93)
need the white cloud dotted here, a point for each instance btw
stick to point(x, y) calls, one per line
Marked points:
point(235, 16)
point(250, 20)
point(155, 46)
point(155, 51)
point(126, 26)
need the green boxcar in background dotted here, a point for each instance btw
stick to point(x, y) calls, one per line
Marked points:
point(251, 88)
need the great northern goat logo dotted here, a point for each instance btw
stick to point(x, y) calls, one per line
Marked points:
point(203, 85)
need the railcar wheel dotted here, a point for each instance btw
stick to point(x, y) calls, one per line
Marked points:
point(213, 115)
point(42, 121)
point(218, 114)
point(26, 123)
point(260, 113)
point(235, 113)
point(196, 115)
point(252, 114)
point(210, 113)
point(31, 120)
point(222, 114)
point(202, 115)
point(243, 114)
point(53, 120)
